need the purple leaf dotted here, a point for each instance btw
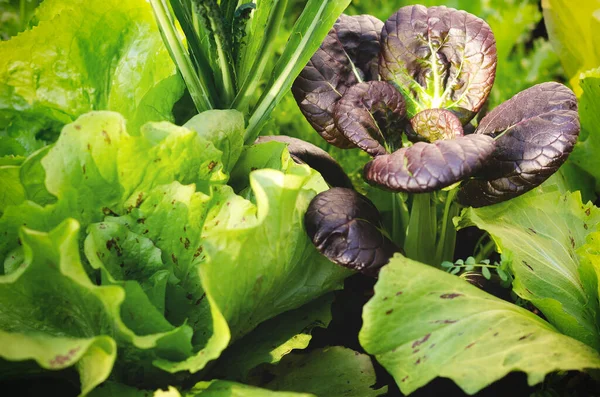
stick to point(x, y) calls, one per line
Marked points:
point(347, 56)
point(346, 227)
point(439, 58)
point(426, 167)
point(306, 153)
point(535, 132)
point(371, 115)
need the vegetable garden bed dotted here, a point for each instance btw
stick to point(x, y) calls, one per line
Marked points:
point(299, 198)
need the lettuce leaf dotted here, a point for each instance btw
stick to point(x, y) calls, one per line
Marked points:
point(83, 56)
point(164, 244)
point(423, 323)
point(542, 233)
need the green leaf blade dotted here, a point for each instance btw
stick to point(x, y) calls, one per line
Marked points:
point(423, 323)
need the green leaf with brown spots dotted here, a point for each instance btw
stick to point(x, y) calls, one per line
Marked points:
point(424, 323)
point(541, 232)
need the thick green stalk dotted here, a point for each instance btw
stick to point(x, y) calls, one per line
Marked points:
point(400, 219)
point(198, 91)
point(420, 243)
point(262, 57)
point(214, 18)
point(307, 35)
point(447, 238)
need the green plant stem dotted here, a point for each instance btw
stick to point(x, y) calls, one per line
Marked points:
point(306, 36)
point(447, 239)
point(263, 56)
point(198, 91)
point(400, 219)
point(213, 15)
point(486, 251)
point(420, 243)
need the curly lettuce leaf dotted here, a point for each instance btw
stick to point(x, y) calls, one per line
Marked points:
point(542, 233)
point(274, 339)
point(423, 323)
point(161, 233)
point(83, 56)
point(52, 314)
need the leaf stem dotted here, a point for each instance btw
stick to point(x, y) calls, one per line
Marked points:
point(265, 49)
point(198, 91)
point(447, 239)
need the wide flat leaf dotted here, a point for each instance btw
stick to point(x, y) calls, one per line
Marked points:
point(534, 133)
point(333, 372)
point(306, 153)
point(588, 144)
point(424, 323)
point(371, 116)
point(77, 60)
point(439, 57)
point(274, 339)
point(572, 31)
point(332, 70)
point(426, 167)
point(346, 228)
point(542, 233)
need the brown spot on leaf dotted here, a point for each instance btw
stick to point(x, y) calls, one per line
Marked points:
point(444, 321)
point(139, 200)
point(211, 165)
point(389, 311)
point(418, 361)
point(588, 211)
point(532, 231)
point(404, 379)
point(526, 336)
point(420, 341)
point(470, 345)
point(572, 240)
point(451, 295)
point(398, 293)
point(585, 226)
point(200, 299)
point(527, 264)
point(106, 137)
point(198, 252)
point(112, 243)
point(141, 220)
point(174, 258)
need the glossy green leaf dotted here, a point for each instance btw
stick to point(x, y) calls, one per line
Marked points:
point(76, 60)
point(589, 112)
point(572, 28)
point(542, 233)
point(273, 339)
point(423, 323)
point(333, 372)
